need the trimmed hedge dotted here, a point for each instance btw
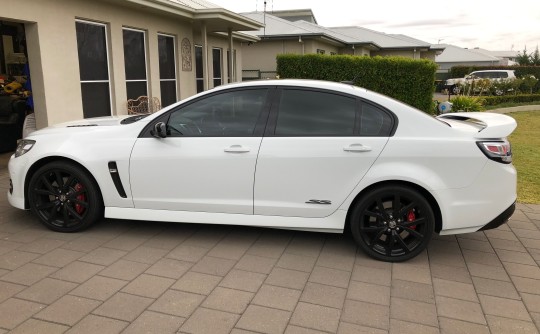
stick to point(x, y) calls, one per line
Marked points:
point(408, 80)
point(494, 100)
point(462, 71)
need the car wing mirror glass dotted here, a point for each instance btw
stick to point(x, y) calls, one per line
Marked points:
point(159, 130)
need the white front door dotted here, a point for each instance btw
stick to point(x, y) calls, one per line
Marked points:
point(206, 162)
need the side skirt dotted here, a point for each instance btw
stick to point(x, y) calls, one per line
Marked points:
point(333, 223)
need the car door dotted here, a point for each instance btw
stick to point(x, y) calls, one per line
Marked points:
point(206, 162)
point(317, 147)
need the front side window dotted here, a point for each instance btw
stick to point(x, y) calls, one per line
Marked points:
point(232, 113)
point(135, 63)
point(93, 68)
point(314, 113)
point(167, 69)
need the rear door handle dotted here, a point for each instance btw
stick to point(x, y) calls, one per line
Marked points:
point(237, 149)
point(357, 148)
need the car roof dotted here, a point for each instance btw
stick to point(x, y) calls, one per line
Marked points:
point(305, 83)
point(493, 71)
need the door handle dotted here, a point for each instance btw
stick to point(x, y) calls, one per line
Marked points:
point(357, 148)
point(236, 149)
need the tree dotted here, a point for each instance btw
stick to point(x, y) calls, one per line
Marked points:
point(535, 57)
point(523, 58)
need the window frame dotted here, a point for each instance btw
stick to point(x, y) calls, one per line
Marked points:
point(199, 79)
point(145, 49)
point(274, 112)
point(220, 67)
point(107, 52)
point(260, 124)
point(175, 61)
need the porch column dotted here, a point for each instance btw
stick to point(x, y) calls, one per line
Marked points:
point(205, 55)
point(231, 57)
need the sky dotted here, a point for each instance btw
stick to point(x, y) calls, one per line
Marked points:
point(494, 25)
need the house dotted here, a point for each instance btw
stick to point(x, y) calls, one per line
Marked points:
point(87, 58)
point(457, 56)
point(297, 32)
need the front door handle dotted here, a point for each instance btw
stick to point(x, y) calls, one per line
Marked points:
point(237, 149)
point(357, 148)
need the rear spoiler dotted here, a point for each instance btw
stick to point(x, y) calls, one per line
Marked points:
point(491, 125)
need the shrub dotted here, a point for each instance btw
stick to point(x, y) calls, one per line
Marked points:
point(408, 80)
point(494, 100)
point(467, 103)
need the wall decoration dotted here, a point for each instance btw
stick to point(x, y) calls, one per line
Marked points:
point(186, 55)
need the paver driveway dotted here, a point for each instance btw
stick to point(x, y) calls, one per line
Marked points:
point(147, 277)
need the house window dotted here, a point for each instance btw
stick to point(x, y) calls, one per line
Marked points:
point(93, 68)
point(135, 62)
point(321, 51)
point(231, 78)
point(199, 73)
point(217, 60)
point(167, 69)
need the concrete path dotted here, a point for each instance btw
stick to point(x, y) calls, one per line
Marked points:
point(148, 277)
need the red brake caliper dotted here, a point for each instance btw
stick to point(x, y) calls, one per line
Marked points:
point(79, 208)
point(411, 216)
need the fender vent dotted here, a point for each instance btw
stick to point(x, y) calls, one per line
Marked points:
point(113, 170)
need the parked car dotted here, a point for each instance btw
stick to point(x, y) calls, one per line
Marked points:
point(291, 154)
point(455, 85)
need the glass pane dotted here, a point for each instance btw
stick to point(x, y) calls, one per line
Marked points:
point(96, 99)
point(200, 86)
point(198, 62)
point(306, 113)
point(134, 55)
point(167, 69)
point(136, 89)
point(217, 82)
point(92, 50)
point(216, 59)
point(374, 122)
point(227, 114)
point(168, 93)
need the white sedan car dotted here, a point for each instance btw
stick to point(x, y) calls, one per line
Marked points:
point(292, 154)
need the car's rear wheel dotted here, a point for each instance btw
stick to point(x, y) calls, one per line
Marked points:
point(456, 89)
point(392, 223)
point(64, 197)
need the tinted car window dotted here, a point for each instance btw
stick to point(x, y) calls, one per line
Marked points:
point(314, 113)
point(232, 113)
point(374, 121)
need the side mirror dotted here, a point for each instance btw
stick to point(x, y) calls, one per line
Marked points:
point(160, 130)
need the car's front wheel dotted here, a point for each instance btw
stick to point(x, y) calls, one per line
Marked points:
point(456, 89)
point(64, 197)
point(392, 223)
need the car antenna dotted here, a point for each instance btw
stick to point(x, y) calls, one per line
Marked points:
point(351, 82)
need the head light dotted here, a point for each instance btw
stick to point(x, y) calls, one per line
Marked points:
point(24, 146)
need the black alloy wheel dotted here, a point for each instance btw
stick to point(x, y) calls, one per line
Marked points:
point(64, 197)
point(392, 223)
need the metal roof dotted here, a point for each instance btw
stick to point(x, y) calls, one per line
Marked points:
point(278, 27)
point(455, 54)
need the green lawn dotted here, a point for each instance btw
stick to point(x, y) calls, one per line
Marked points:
point(526, 155)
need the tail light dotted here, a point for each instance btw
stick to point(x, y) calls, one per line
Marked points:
point(500, 151)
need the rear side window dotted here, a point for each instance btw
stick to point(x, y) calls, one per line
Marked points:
point(374, 122)
point(314, 113)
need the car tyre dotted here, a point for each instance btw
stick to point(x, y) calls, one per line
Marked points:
point(456, 90)
point(392, 223)
point(65, 197)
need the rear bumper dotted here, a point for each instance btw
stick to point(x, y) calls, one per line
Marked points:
point(500, 219)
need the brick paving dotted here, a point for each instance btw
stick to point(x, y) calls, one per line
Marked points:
point(148, 277)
